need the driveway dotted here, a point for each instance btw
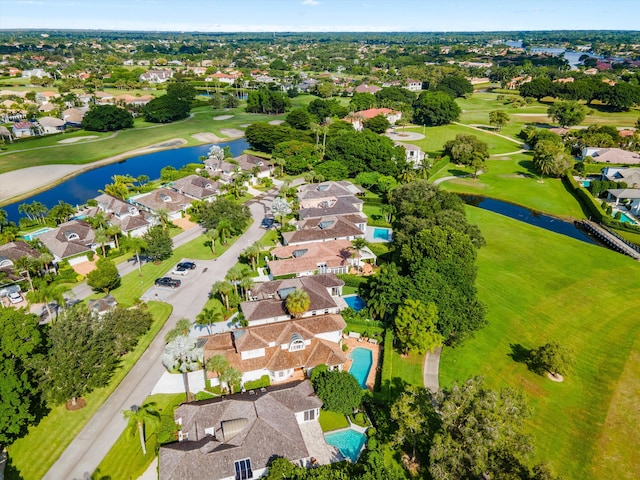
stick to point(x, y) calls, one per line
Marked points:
point(87, 450)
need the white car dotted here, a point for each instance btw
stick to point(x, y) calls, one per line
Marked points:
point(180, 271)
point(15, 297)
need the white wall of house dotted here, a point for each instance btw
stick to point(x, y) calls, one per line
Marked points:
point(253, 375)
point(300, 416)
point(334, 337)
point(258, 352)
point(264, 321)
point(76, 260)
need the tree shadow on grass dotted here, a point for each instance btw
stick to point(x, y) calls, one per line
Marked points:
point(520, 354)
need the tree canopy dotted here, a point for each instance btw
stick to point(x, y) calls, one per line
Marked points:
point(158, 243)
point(106, 118)
point(166, 109)
point(435, 108)
point(105, 277)
point(567, 113)
point(339, 391)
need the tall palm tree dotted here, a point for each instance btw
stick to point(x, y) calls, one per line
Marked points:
point(182, 329)
point(358, 244)
point(297, 302)
point(209, 316)
point(114, 232)
point(163, 215)
point(137, 244)
point(223, 288)
point(224, 230)
point(47, 294)
point(217, 364)
point(279, 162)
point(247, 284)
point(212, 234)
point(231, 376)
point(236, 273)
point(102, 238)
point(253, 252)
point(139, 415)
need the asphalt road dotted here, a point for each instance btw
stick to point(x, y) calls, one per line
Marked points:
point(87, 450)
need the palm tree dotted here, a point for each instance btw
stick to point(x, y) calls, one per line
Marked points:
point(247, 284)
point(47, 294)
point(139, 415)
point(183, 355)
point(4, 219)
point(182, 329)
point(102, 238)
point(209, 316)
point(358, 244)
point(236, 273)
point(45, 260)
point(253, 252)
point(223, 288)
point(163, 215)
point(297, 302)
point(28, 265)
point(114, 231)
point(212, 234)
point(279, 162)
point(231, 376)
point(224, 230)
point(138, 245)
point(217, 364)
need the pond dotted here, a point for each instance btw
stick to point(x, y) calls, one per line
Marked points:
point(79, 189)
point(528, 216)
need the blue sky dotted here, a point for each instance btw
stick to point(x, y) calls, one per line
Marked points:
point(320, 15)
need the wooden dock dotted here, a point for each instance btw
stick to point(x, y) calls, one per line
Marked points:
point(610, 239)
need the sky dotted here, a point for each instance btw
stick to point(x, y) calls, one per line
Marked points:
point(320, 15)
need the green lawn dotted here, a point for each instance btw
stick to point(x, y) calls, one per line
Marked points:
point(436, 137)
point(332, 421)
point(513, 179)
point(540, 286)
point(33, 454)
point(125, 459)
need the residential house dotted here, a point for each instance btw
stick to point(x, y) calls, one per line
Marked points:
point(25, 129)
point(329, 199)
point(35, 72)
point(325, 229)
point(49, 125)
point(630, 176)
point(102, 305)
point(283, 351)
point(257, 166)
point(414, 154)
point(222, 78)
point(70, 239)
point(235, 438)
point(413, 85)
point(163, 199)
point(626, 195)
point(156, 76)
point(73, 116)
point(10, 253)
point(515, 82)
point(611, 155)
point(334, 256)
point(357, 119)
point(197, 187)
point(364, 88)
point(267, 299)
point(223, 170)
point(131, 221)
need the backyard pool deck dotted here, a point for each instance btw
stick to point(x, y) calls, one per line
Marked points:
point(354, 343)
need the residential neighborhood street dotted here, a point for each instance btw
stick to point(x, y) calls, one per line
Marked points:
point(87, 450)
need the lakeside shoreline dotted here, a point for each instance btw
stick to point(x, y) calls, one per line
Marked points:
point(26, 182)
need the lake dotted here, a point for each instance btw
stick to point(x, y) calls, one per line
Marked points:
point(528, 216)
point(79, 189)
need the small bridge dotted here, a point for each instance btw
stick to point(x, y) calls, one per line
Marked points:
point(610, 239)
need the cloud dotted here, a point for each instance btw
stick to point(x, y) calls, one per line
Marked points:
point(313, 3)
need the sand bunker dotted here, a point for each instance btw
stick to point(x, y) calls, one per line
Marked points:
point(207, 137)
point(223, 117)
point(77, 139)
point(276, 122)
point(232, 132)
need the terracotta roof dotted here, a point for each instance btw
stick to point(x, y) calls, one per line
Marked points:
point(50, 122)
point(304, 258)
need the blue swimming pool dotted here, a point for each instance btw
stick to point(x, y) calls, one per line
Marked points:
point(625, 219)
point(349, 442)
point(586, 183)
point(362, 361)
point(32, 235)
point(355, 302)
point(382, 234)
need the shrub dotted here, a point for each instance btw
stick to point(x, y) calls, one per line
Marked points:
point(371, 431)
point(262, 382)
point(349, 280)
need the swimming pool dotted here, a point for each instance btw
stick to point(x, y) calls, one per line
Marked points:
point(382, 234)
point(625, 219)
point(586, 183)
point(32, 235)
point(349, 442)
point(355, 302)
point(362, 361)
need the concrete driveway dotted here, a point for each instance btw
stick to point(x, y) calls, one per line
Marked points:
point(95, 440)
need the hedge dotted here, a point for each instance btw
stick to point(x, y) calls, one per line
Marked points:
point(354, 281)
point(263, 381)
point(439, 165)
point(387, 367)
point(585, 197)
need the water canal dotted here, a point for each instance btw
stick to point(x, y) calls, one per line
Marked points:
point(77, 190)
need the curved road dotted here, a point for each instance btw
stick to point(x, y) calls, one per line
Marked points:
point(94, 441)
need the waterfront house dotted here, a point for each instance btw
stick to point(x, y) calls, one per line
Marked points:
point(197, 187)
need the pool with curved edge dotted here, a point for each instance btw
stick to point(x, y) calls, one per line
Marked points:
point(349, 442)
point(362, 362)
point(355, 302)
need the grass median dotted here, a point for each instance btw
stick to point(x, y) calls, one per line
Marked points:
point(33, 454)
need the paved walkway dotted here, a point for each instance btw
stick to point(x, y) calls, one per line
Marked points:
point(95, 440)
point(489, 132)
point(430, 368)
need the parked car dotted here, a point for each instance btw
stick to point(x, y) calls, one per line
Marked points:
point(180, 271)
point(168, 282)
point(267, 223)
point(186, 265)
point(15, 297)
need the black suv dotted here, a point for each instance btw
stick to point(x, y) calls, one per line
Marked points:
point(186, 266)
point(168, 282)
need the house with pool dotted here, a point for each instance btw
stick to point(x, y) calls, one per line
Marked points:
point(118, 212)
point(235, 437)
point(71, 239)
point(324, 229)
point(163, 199)
point(197, 187)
